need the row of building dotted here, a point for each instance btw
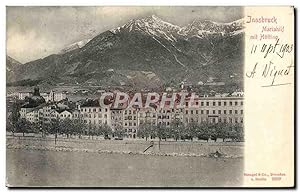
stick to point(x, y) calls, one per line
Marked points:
point(207, 109)
point(48, 96)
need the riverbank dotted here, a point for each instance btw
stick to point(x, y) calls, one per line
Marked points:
point(163, 148)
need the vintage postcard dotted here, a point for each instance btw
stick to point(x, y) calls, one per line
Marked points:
point(150, 96)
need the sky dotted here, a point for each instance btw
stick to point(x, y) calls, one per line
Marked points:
point(36, 32)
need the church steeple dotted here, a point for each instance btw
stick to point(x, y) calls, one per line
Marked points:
point(36, 91)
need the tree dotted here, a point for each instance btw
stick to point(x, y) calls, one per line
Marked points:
point(66, 127)
point(177, 129)
point(119, 132)
point(161, 131)
point(89, 130)
point(79, 127)
point(237, 133)
point(35, 127)
point(153, 131)
point(13, 118)
point(54, 128)
point(23, 126)
point(105, 130)
point(144, 130)
point(222, 130)
point(191, 130)
point(202, 131)
point(10, 127)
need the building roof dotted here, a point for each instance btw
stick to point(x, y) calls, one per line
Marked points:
point(91, 103)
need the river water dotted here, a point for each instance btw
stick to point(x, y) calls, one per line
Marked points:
point(51, 168)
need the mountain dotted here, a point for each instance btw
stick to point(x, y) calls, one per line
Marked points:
point(74, 46)
point(200, 51)
point(11, 66)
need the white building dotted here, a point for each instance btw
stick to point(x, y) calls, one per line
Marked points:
point(23, 95)
point(53, 96)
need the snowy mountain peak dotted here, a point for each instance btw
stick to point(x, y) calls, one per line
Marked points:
point(75, 45)
point(150, 25)
point(155, 26)
point(200, 28)
point(155, 17)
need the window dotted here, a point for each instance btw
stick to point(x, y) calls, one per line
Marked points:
point(202, 112)
point(192, 112)
point(230, 103)
point(196, 111)
point(219, 103)
point(225, 103)
point(241, 111)
point(186, 112)
point(202, 103)
point(219, 111)
point(214, 111)
point(235, 103)
point(236, 111)
point(207, 103)
point(214, 103)
point(225, 112)
point(230, 111)
point(242, 103)
point(207, 111)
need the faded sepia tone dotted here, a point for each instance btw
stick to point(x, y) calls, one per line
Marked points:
point(269, 106)
point(149, 97)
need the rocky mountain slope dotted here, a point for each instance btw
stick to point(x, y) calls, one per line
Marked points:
point(11, 67)
point(167, 53)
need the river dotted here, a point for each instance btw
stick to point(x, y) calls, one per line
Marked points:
point(51, 168)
